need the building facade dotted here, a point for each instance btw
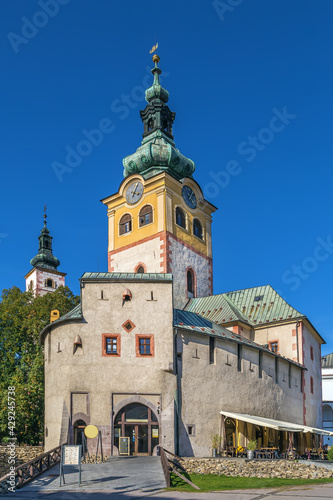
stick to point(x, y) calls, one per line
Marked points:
point(150, 354)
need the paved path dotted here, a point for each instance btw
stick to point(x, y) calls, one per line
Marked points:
point(118, 474)
point(311, 492)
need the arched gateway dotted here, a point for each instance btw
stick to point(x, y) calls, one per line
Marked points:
point(139, 423)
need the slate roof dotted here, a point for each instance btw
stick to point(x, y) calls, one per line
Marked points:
point(254, 306)
point(127, 276)
point(190, 321)
point(327, 361)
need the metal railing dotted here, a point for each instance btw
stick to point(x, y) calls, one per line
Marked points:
point(28, 471)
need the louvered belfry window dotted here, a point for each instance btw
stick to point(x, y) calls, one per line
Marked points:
point(146, 215)
point(125, 224)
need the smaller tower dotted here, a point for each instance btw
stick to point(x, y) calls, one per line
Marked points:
point(44, 277)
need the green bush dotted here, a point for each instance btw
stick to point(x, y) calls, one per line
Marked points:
point(330, 453)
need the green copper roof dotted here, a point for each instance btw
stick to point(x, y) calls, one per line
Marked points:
point(157, 152)
point(254, 306)
point(127, 276)
point(327, 361)
point(45, 258)
point(193, 322)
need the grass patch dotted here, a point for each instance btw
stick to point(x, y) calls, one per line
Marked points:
point(210, 482)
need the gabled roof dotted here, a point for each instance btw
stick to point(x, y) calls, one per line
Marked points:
point(327, 361)
point(254, 306)
point(190, 321)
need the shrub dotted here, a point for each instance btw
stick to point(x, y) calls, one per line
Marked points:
point(330, 453)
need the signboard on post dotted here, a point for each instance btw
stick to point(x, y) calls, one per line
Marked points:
point(70, 455)
point(124, 446)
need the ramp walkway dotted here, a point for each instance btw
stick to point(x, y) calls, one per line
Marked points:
point(142, 474)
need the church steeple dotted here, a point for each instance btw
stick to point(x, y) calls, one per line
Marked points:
point(157, 152)
point(45, 257)
point(44, 276)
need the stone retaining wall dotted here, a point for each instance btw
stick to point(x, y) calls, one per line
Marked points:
point(255, 468)
point(23, 454)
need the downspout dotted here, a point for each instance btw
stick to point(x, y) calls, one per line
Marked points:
point(177, 392)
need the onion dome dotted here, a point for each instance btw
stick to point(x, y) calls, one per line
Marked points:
point(157, 152)
point(45, 258)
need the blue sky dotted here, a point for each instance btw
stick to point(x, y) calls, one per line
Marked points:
point(251, 85)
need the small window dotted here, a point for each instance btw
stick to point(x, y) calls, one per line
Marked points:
point(190, 283)
point(49, 283)
point(145, 345)
point(197, 228)
point(311, 352)
point(140, 270)
point(211, 350)
point(273, 346)
point(180, 218)
point(311, 385)
point(31, 285)
point(111, 344)
point(191, 430)
point(146, 215)
point(125, 224)
point(239, 357)
point(258, 298)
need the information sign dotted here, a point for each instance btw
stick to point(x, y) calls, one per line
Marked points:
point(70, 455)
point(124, 446)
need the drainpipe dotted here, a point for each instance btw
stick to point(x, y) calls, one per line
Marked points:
point(297, 342)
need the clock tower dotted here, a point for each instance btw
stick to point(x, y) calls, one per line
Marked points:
point(159, 221)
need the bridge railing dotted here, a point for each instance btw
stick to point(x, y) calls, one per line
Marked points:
point(28, 471)
point(165, 466)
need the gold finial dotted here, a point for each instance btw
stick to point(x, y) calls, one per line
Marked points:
point(156, 58)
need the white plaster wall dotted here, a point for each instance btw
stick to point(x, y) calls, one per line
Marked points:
point(148, 253)
point(183, 257)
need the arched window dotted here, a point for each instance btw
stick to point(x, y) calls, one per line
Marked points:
point(180, 218)
point(327, 413)
point(197, 228)
point(150, 124)
point(49, 283)
point(190, 281)
point(140, 270)
point(146, 215)
point(31, 285)
point(125, 224)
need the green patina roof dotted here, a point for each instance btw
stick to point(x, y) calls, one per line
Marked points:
point(327, 361)
point(45, 258)
point(254, 306)
point(157, 152)
point(128, 276)
point(193, 322)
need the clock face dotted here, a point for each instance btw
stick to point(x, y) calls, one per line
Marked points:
point(189, 197)
point(134, 192)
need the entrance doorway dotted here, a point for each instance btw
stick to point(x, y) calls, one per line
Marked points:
point(140, 424)
point(79, 427)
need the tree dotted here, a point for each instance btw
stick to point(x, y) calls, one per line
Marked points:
point(22, 317)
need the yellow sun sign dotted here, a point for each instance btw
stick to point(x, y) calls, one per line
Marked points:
point(91, 431)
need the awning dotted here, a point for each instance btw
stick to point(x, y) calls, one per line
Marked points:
point(278, 425)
